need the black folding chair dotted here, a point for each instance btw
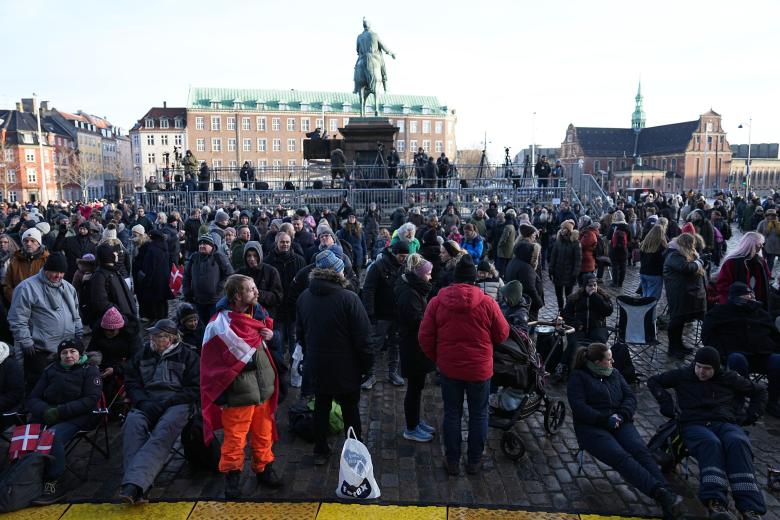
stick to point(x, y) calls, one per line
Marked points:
point(636, 324)
point(92, 437)
point(9, 420)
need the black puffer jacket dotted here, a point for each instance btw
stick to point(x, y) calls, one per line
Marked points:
point(205, 276)
point(411, 298)
point(108, 289)
point(191, 228)
point(684, 285)
point(378, 287)
point(565, 259)
point(585, 313)
point(520, 269)
point(333, 328)
point(74, 248)
point(74, 391)
point(118, 349)
point(593, 399)
point(713, 400)
point(11, 384)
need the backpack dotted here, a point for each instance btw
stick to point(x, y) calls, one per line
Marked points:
point(667, 446)
point(619, 239)
point(622, 362)
point(195, 451)
point(301, 421)
point(601, 247)
point(22, 482)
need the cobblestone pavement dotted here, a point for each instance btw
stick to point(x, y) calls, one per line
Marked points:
point(547, 478)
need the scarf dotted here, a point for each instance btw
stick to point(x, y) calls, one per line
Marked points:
point(81, 361)
point(597, 370)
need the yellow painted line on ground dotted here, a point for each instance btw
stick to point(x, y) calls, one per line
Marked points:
point(600, 517)
point(255, 510)
point(156, 511)
point(53, 512)
point(465, 513)
point(375, 512)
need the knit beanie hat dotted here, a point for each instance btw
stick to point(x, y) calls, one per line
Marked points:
point(452, 248)
point(112, 319)
point(221, 217)
point(401, 247)
point(70, 343)
point(277, 222)
point(568, 224)
point(512, 293)
point(689, 228)
point(207, 238)
point(324, 229)
point(465, 270)
point(527, 230)
point(138, 228)
point(185, 311)
point(423, 269)
point(109, 232)
point(328, 260)
point(43, 227)
point(737, 290)
point(33, 233)
point(56, 263)
point(708, 356)
point(429, 237)
point(106, 255)
point(484, 266)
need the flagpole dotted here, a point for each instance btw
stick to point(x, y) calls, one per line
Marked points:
point(44, 191)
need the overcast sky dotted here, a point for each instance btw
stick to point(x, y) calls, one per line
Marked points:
point(495, 62)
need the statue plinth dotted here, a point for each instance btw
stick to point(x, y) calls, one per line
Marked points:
point(361, 138)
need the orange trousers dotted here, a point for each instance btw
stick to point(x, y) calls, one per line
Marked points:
point(237, 422)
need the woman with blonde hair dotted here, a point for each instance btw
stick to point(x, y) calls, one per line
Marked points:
point(651, 255)
point(683, 275)
point(449, 255)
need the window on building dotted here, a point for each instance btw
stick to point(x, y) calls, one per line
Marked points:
point(400, 123)
point(319, 123)
point(413, 126)
point(137, 159)
point(32, 174)
point(596, 166)
point(400, 145)
point(262, 145)
point(277, 165)
point(346, 107)
point(291, 165)
point(674, 164)
point(334, 125)
point(11, 176)
point(149, 122)
point(178, 140)
point(216, 163)
point(305, 124)
point(231, 144)
point(199, 124)
point(246, 123)
point(291, 124)
point(200, 145)
point(12, 196)
point(655, 163)
point(291, 145)
point(426, 127)
point(276, 124)
point(609, 166)
point(262, 164)
point(178, 123)
point(282, 105)
point(345, 121)
point(231, 123)
point(413, 145)
point(136, 140)
point(29, 155)
point(150, 158)
point(276, 145)
point(426, 145)
point(216, 123)
point(164, 139)
point(247, 145)
point(623, 164)
point(232, 164)
point(438, 146)
point(164, 122)
point(216, 144)
point(438, 127)
point(260, 122)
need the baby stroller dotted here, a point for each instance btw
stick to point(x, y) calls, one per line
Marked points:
point(519, 373)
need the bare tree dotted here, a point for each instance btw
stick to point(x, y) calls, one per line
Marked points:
point(74, 169)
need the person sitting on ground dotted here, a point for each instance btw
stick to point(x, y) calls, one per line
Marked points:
point(191, 329)
point(63, 399)
point(488, 279)
point(603, 407)
point(711, 429)
point(587, 311)
point(515, 306)
point(162, 383)
point(746, 337)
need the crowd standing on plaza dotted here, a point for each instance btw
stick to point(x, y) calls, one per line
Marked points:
point(88, 289)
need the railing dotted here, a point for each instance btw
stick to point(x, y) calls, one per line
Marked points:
point(592, 195)
point(466, 199)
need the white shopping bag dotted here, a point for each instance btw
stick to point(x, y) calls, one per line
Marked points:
point(356, 473)
point(296, 374)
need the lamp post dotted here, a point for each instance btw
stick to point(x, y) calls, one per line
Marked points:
point(747, 163)
point(533, 145)
point(44, 191)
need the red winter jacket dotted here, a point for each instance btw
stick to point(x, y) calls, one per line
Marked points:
point(589, 238)
point(460, 326)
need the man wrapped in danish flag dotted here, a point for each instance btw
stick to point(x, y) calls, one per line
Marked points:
point(239, 384)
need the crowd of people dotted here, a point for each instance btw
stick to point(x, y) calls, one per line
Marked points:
point(93, 312)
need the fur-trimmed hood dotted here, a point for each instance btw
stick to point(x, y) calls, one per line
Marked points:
point(574, 236)
point(328, 275)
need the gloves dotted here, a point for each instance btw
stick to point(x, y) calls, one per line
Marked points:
point(51, 416)
point(614, 421)
point(29, 350)
point(667, 410)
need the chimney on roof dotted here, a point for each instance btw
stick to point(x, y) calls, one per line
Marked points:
point(45, 106)
point(165, 104)
point(28, 105)
point(19, 107)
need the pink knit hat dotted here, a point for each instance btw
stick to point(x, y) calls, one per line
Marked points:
point(112, 320)
point(423, 269)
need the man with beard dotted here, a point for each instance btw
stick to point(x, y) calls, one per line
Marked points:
point(266, 278)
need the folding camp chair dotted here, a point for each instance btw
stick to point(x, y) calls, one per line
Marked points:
point(636, 324)
point(92, 437)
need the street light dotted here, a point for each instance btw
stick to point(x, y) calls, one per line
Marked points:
point(747, 163)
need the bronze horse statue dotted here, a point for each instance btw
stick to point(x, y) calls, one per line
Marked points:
point(370, 67)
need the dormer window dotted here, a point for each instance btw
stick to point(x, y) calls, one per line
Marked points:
point(178, 123)
point(346, 107)
point(215, 104)
point(326, 107)
point(407, 109)
point(426, 110)
point(304, 106)
point(282, 105)
point(387, 109)
point(164, 122)
point(149, 122)
point(236, 105)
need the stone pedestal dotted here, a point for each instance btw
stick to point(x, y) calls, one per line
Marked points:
point(361, 136)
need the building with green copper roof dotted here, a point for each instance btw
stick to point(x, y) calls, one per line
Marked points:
point(307, 101)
